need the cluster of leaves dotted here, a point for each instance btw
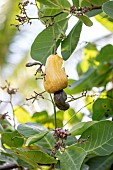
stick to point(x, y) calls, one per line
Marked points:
point(60, 10)
point(33, 142)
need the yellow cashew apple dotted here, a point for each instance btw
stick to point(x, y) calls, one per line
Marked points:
point(55, 77)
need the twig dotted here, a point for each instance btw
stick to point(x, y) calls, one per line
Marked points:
point(35, 97)
point(8, 166)
point(72, 98)
point(12, 166)
point(54, 107)
point(78, 112)
point(11, 91)
point(54, 35)
point(24, 18)
point(11, 104)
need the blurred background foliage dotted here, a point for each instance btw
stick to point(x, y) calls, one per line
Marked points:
point(14, 54)
point(8, 10)
point(90, 69)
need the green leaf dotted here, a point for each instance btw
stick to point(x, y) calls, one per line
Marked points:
point(34, 156)
point(47, 142)
point(76, 3)
point(100, 162)
point(43, 45)
point(108, 8)
point(110, 94)
point(57, 3)
point(30, 129)
point(70, 140)
point(80, 127)
point(69, 44)
point(48, 11)
point(50, 8)
point(86, 20)
point(12, 139)
point(105, 54)
point(22, 156)
point(84, 3)
point(102, 108)
point(94, 77)
point(35, 138)
point(94, 12)
point(98, 139)
point(98, 2)
point(94, 2)
point(44, 10)
point(24, 164)
point(71, 158)
point(85, 81)
point(48, 2)
point(64, 3)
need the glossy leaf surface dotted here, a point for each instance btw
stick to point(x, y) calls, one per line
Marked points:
point(43, 45)
point(76, 3)
point(30, 129)
point(86, 20)
point(80, 127)
point(12, 139)
point(55, 3)
point(72, 158)
point(98, 138)
point(100, 162)
point(92, 78)
point(94, 2)
point(33, 157)
point(108, 8)
point(102, 108)
point(70, 42)
point(35, 138)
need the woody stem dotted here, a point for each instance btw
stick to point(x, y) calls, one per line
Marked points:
point(54, 36)
point(54, 107)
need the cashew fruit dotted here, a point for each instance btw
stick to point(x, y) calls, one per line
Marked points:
point(55, 77)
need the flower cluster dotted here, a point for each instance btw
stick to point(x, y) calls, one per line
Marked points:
point(80, 10)
point(22, 18)
point(60, 135)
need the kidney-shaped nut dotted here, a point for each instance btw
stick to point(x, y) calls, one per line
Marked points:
point(55, 77)
point(60, 98)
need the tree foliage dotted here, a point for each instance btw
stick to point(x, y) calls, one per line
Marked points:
point(50, 141)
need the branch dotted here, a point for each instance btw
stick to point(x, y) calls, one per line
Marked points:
point(54, 107)
point(12, 166)
point(9, 166)
point(54, 35)
point(78, 112)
